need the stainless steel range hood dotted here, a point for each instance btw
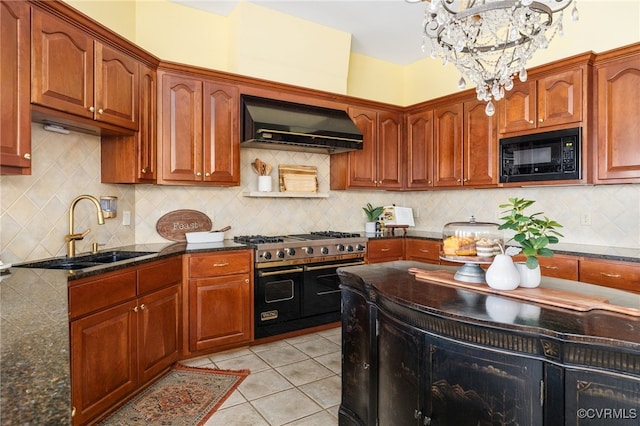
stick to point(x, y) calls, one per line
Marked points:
point(269, 123)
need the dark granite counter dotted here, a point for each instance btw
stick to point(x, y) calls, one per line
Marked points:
point(34, 354)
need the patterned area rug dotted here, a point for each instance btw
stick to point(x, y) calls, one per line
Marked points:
point(185, 396)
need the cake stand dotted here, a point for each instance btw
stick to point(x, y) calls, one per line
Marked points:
point(470, 271)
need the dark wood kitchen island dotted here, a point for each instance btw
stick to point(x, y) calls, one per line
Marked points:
point(423, 353)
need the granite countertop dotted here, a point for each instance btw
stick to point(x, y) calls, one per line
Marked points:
point(35, 385)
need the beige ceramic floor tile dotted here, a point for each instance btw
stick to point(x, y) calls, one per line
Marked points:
point(251, 362)
point(267, 346)
point(318, 346)
point(230, 354)
point(285, 407)
point(304, 372)
point(239, 415)
point(236, 398)
point(282, 356)
point(332, 361)
point(262, 384)
point(323, 418)
point(325, 392)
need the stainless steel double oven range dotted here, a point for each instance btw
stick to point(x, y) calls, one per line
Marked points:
point(296, 284)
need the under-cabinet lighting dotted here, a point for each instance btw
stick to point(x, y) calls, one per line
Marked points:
point(55, 128)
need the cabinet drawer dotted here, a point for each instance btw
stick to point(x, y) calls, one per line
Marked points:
point(159, 274)
point(610, 273)
point(385, 249)
point(423, 250)
point(557, 266)
point(97, 294)
point(224, 263)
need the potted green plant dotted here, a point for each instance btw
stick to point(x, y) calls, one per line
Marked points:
point(373, 213)
point(534, 232)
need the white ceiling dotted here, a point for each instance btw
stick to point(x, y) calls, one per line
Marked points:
point(390, 30)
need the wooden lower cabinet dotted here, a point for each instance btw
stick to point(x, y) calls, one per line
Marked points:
point(385, 250)
point(125, 330)
point(427, 251)
point(220, 302)
point(557, 266)
point(611, 273)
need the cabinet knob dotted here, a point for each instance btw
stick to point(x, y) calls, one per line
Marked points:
point(198, 174)
point(92, 109)
point(465, 180)
point(531, 122)
point(427, 421)
point(144, 170)
point(27, 156)
point(246, 280)
point(142, 307)
point(417, 414)
point(207, 174)
point(459, 180)
point(135, 309)
point(540, 120)
point(365, 365)
point(429, 182)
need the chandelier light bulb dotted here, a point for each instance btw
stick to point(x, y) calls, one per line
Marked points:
point(490, 41)
point(490, 109)
point(462, 83)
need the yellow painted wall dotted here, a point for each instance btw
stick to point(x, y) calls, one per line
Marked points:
point(371, 78)
point(278, 47)
point(118, 16)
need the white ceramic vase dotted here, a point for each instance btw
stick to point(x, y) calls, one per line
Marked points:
point(370, 227)
point(502, 274)
point(529, 278)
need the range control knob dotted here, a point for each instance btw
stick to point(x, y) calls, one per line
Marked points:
point(340, 247)
point(349, 248)
point(280, 254)
point(291, 251)
point(360, 247)
point(266, 255)
point(309, 250)
point(324, 250)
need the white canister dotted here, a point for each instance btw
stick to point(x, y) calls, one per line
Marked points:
point(264, 183)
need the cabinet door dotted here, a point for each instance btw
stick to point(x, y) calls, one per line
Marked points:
point(560, 98)
point(116, 85)
point(472, 386)
point(221, 142)
point(103, 355)
point(558, 266)
point(518, 109)
point(593, 398)
point(180, 148)
point(390, 151)
point(420, 160)
point(358, 391)
point(146, 154)
point(618, 127)
point(362, 164)
point(480, 145)
point(399, 373)
point(219, 311)
point(15, 112)
point(611, 273)
point(447, 127)
point(159, 334)
point(61, 66)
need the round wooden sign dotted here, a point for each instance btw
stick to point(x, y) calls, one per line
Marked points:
point(175, 224)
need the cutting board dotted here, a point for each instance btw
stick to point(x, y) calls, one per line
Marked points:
point(298, 178)
point(175, 224)
point(547, 296)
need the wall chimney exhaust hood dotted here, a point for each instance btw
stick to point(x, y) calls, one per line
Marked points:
point(274, 124)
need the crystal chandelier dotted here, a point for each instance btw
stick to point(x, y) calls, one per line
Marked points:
point(489, 41)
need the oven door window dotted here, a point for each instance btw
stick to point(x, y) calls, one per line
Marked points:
point(279, 291)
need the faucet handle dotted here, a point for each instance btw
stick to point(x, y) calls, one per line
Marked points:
point(73, 237)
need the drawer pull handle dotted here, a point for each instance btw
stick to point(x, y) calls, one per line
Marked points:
point(385, 249)
point(610, 275)
point(424, 250)
point(549, 267)
point(220, 265)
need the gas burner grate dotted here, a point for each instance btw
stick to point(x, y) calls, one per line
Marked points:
point(257, 239)
point(335, 234)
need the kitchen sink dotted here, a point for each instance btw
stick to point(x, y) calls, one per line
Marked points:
point(86, 261)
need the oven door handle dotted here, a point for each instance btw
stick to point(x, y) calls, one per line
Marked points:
point(282, 271)
point(335, 265)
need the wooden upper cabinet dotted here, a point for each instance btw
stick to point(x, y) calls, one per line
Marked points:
point(448, 154)
point(75, 74)
point(221, 141)
point(15, 114)
point(616, 117)
point(199, 141)
point(420, 161)
point(480, 145)
point(548, 101)
point(379, 164)
point(132, 159)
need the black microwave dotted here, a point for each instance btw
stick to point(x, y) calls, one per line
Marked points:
point(542, 156)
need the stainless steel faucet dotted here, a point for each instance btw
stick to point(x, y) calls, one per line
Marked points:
point(71, 238)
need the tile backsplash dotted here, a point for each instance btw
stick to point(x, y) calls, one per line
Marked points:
point(34, 216)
